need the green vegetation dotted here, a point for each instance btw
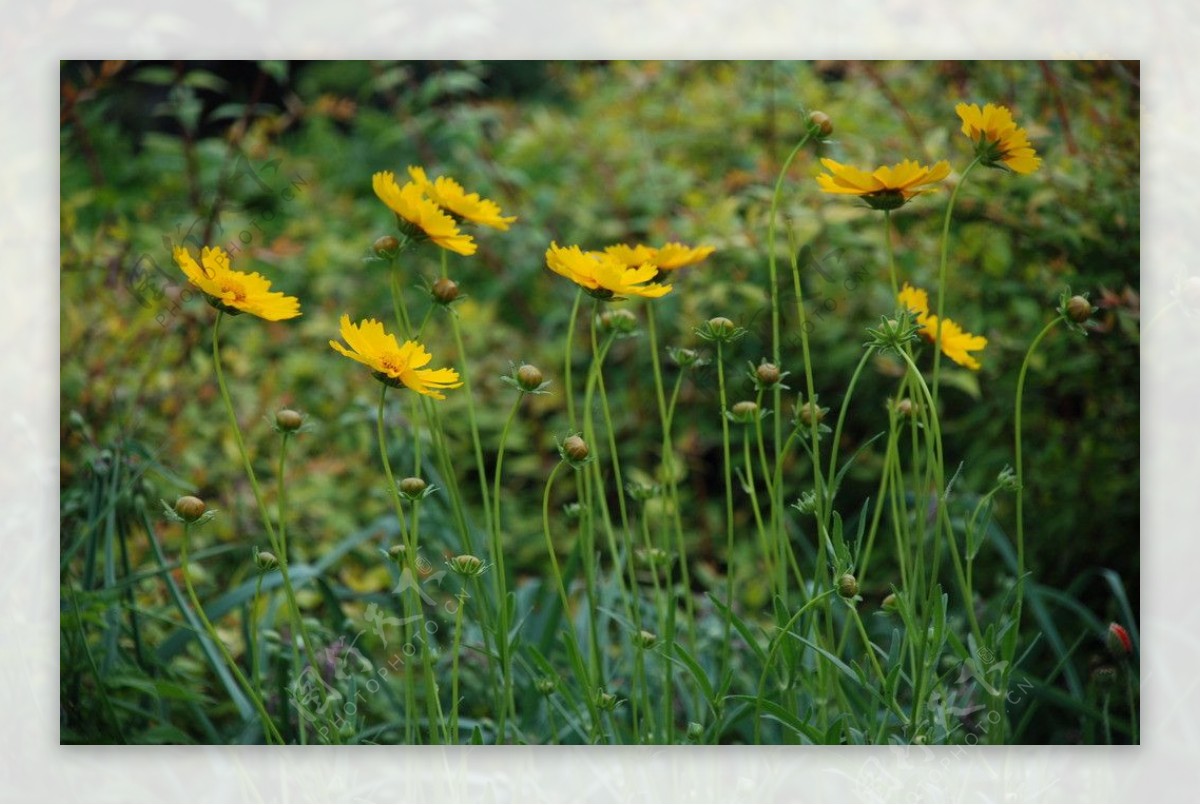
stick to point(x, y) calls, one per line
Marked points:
point(777, 575)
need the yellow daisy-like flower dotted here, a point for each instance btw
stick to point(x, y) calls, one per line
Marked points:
point(393, 363)
point(884, 188)
point(957, 343)
point(667, 257)
point(604, 276)
point(234, 291)
point(997, 138)
point(423, 217)
point(450, 195)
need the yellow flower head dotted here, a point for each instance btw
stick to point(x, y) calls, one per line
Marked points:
point(392, 363)
point(450, 195)
point(957, 343)
point(604, 276)
point(884, 188)
point(997, 138)
point(665, 258)
point(419, 215)
point(235, 291)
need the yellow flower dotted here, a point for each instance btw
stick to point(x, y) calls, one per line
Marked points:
point(603, 275)
point(666, 257)
point(423, 217)
point(450, 195)
point(885, 188)
point(957, 343)
point(997, 138)
point(235, 291)
point(392, 363)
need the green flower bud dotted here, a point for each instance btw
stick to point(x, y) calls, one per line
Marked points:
point(820, 123)
point(529, 377)
point(620, 321)
point(744, 412)
point(695, 731)
point(265, 560)
point(646, 639)
point(768, 374)
point(467, 566)
point(575, 448)
point(386, 247)
point(847, 586)
point(190, 508)
point(412, 488)
point(1079, 309)
point(289, 420)
point(444, 290)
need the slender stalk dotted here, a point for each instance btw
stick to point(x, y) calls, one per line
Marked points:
point(942, 264)
point(567, 360)
point(727, 643)
point(458, 619)
point(269, 727)
point(777, 513)
point(405, 601)
point(507, 702)
point(891, 258)
point(281, 554)
point(1017, 438)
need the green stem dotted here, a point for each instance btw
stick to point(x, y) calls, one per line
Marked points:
point(507, 702)
point(405, 601)
point(567, 360)
point(280, 548)
point(268, 725)
point(1021, 472)
point(727, 644)
point(891, 258)
point(942, 264)
point(777, 513)
point(458, 619)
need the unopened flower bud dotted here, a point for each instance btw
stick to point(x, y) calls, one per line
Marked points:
point(820, 123)
point(190, 508)
point(1119, 644)
point(289, 420)
point(265, 560)
point(889, 603)
point(1079, 309)
point(807, 413)
point(397, 552)
point(445, 290)
point(412, 488)
point(744, 412)
point(546, 685)
point(529, 377)
point(646, 639)
point(721, 325)
point(386, 247)
point(606, 700)
point(768, 374)
point(467, 566)
point(576, 448)
point(618, 321)
point(847, 586)
point(695, 731)
point(906, 408)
